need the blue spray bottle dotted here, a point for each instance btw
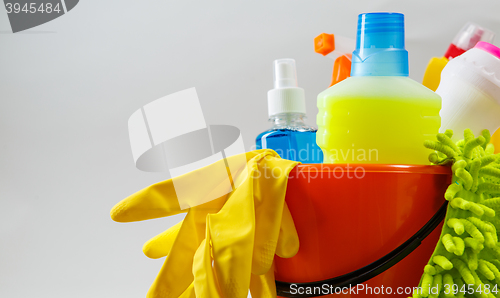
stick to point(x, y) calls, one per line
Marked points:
point(289, 136)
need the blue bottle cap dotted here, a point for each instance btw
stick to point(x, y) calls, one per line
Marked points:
point(380, 46)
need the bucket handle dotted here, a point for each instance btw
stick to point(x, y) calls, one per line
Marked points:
point(365, 273)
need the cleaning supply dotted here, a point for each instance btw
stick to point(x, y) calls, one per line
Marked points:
point(495, 140)
point(470, 89)
point(225, 246)
point(466, 39)
point(339, 49)
point(289, 136)
point(466, 259)
point(378, 115)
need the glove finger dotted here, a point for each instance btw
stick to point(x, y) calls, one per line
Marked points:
point(263, 286)
point(160, 199)
point(234, 227)
point(157, 200)
point(269, 202)
point(176, 274)
point(205, 282)
point(160, 245)
point(288, 240)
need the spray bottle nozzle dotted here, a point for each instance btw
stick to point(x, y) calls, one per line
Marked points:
point(285, 73)
point(333, 46)
point(338, 48)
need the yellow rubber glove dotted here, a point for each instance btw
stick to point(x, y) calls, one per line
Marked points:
point(160, 200)
point(260, 286)
point(252, 225)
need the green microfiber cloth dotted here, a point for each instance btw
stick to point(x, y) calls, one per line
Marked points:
point(466, 262)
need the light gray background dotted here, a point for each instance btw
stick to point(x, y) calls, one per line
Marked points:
point(68, 87)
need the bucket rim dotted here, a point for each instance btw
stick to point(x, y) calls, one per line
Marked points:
point(375, 168)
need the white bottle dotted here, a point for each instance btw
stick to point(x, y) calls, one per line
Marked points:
point(470, 90)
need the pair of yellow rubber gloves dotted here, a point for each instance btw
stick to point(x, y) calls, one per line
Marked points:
point(226, 246)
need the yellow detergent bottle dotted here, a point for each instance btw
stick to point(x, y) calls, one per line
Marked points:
point(359, 117)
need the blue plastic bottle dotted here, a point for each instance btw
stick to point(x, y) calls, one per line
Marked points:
point(289, 136)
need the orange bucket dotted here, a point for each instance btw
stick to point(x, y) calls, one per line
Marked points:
point(354, 218)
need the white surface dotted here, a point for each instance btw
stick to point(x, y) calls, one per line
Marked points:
point(174, 115)
point(68, 87)
point(138, 134)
